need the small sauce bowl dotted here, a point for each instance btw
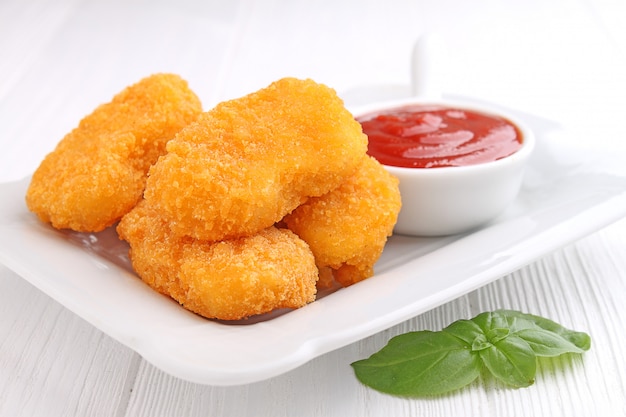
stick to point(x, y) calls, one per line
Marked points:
point(449, 200)
point(455, 199)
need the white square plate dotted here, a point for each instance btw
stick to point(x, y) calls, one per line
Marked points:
point(566, 194)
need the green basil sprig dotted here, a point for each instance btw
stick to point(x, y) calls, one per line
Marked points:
point(505, 342)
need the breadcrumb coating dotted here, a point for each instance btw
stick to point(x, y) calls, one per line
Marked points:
point(347, 228)
point(247, 208)
point(228, 280)
point(250, 161)
point(97, 172)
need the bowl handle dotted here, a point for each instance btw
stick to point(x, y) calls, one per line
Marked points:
point(428, 66)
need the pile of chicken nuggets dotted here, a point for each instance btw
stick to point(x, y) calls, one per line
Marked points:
point(249, 207)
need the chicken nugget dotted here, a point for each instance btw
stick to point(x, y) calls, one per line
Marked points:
point(228, 280)
point(248, 162)
point(348, 227)
point(97, 172)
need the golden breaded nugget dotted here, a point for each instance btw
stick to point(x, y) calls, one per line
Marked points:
point(248, 162)
point(228, 280)
point(97, 172)
point(347, 228)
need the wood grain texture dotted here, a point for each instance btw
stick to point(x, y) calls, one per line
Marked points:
point(61, 58)
point(55, 364)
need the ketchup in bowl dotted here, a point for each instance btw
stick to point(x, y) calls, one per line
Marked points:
point(432, 136)
point(460, 165)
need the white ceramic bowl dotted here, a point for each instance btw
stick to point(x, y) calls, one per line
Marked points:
point(450, 200)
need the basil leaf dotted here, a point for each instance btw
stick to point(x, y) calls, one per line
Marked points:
point(473, 336)
point(545, 343)
point(497, 334)
point(506, 342)
point(491, 320)
point(547, 337)
point(419, 364)
point(511, 360)
point(465, 330)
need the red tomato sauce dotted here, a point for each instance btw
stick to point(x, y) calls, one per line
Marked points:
point(434, 136)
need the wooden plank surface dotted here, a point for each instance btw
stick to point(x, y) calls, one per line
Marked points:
point(60, 59)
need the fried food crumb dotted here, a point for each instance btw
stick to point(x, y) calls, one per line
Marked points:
point(97, 172)
point(228, 280)
point(248, 162)
point(253, 206)
point(347, 228)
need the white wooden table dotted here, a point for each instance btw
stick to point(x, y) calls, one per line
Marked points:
point(562, 59)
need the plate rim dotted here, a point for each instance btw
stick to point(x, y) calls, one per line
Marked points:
point(572, 228)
